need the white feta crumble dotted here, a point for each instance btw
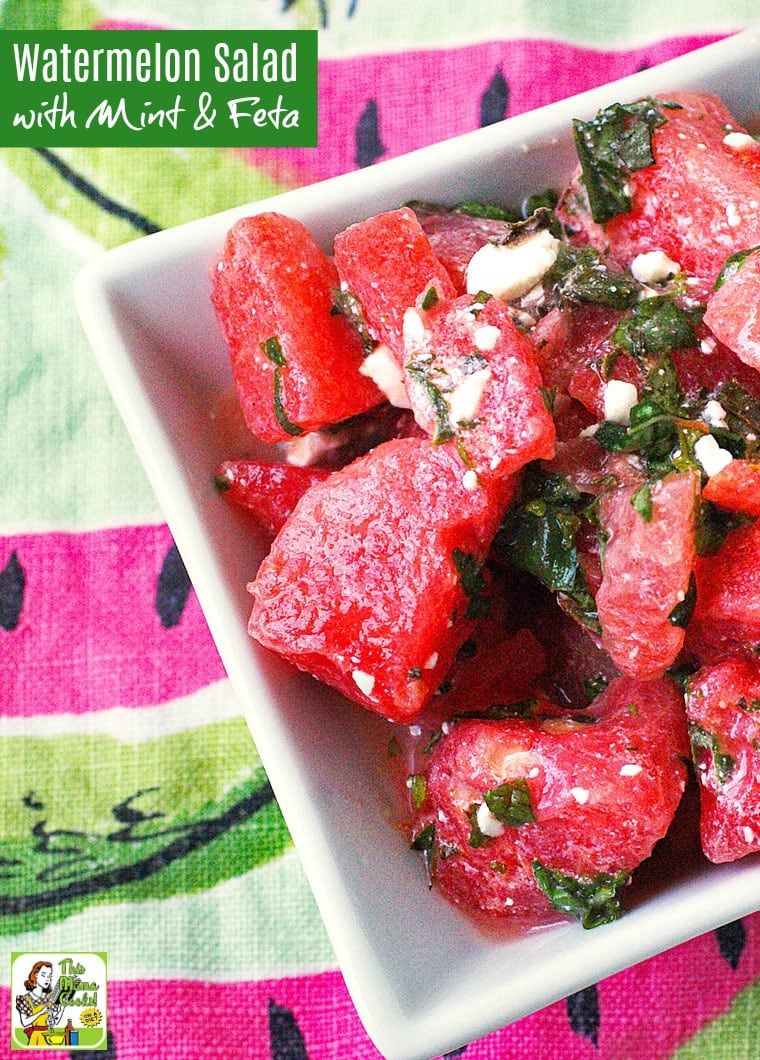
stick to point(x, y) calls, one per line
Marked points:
point(708, 344)
point(710, 455)
point(630, 769)
point(432, 661)
point(463, 401)
point(580, 795)
point(533, 772)
point(654, 266)
point(510, 270)
point(415, 730)
point(488, 824)
point(739, 141)
point(486, 336)
point(413, 327)
point(733, 217)
point(470, 479)
point(749, 835)
point(386, 373)
point(714, 414)
point(509, 901)
point(619, 399)
point(364, 682)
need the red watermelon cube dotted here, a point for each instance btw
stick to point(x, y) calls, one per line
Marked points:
point(550, 811)
point(375, 580)
point(294, 360)
point(723, 709)
point(387, 263)
point(473, 381)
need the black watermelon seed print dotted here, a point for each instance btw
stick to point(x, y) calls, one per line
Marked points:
point(285, 1039)
point(731, 939)
point(454, 1053)
point(173, 588)
point(369, 146)
point(583, 1013)
point(494, 101)
point(12, 585)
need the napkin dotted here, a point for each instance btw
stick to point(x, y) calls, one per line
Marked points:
point(136, 819)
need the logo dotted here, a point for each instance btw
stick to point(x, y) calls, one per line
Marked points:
point(58, 1001)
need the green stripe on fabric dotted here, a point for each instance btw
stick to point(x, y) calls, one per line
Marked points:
point(53, 369)
point(730, 1037)
point(47, 14)
point(185, 14)
point(257, 925)
point(87, 819)
point(377, 27)
point(168, 187)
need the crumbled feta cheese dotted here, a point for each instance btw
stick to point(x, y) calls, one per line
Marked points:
point(715, 414)
point(708, 344)
point(510, 270)
point(413, 327)
point(619, 399)
point(470, 479)
point(387, 375)
point(653, 267)
point(364, 682)
point(733, 217)
point(486, 337)
point(580, 795)
point(489, 825)
point(749, 835)
point(739, 141)
point(463, 401)
point(415, 730)
point(432, 661)
point(710, 455)
point(630, 769)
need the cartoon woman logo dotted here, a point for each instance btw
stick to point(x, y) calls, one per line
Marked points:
point(39, 1009)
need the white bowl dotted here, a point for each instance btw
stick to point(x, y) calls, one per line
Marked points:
point(423, 977)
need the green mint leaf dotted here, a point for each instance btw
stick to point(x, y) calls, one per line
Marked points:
point(348, 304)
point(510, 803)
point(723, 763)
point(579, 275)
point(614, 144)
point(732, 264)
point(593, 900)
point(472, 582)
point(682, 612)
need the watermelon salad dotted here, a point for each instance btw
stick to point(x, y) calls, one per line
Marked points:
point(512, 504)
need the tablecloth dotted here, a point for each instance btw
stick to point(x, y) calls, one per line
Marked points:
point(135, 816)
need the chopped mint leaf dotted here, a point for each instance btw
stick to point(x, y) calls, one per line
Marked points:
point(510, 803)
point(592, 899)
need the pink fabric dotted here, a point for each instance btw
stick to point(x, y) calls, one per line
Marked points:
point(449, 83)
point(677, 993)
point(101, 643)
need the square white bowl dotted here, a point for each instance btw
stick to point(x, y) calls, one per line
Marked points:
point(423, 977)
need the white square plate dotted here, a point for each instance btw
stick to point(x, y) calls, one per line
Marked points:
point(423, 978)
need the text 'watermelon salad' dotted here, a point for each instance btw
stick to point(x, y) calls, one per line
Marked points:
point(513, 500)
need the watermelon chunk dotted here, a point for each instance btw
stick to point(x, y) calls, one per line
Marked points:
point(735, 487)
point(723, 709)
point(733, 310)
point(387, 263)
point(697, 203)
point(647, 565)
point(294, 361)
point(268, 491)
point(524, 816)
point(726, 618)
point(472, 380)
point(375, 580)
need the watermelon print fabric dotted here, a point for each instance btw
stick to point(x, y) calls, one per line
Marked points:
point(135, 816)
